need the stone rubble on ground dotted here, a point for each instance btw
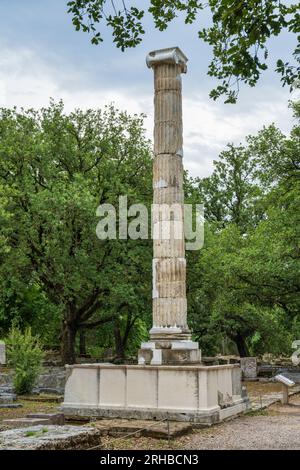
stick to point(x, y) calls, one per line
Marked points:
point(51, 380)
point(35, 419)
point(50, 438)
point(7, 397)
point(264, 401)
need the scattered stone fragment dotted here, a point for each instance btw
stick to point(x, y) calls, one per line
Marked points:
point(50, 438)
point(7, 397)
point(54, 418)
point(44, 398)
point(11, 405)
point(158, 430)
point(17, 422)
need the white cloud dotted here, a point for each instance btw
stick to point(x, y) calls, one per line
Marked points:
point(28, 80)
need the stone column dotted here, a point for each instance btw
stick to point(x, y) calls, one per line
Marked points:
point(170, 337)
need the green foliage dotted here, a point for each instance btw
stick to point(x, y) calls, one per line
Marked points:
point(28, 305)
point(36, 433)
point(55, 170)
point(126, 23)
point(25, 355)
point(58, 278)
point(238, 33)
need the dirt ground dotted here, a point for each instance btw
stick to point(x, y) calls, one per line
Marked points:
point(272, 429)
point(278, 427)
point(27, 408)
point(261, 388)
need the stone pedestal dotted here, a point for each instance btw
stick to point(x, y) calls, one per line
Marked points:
point(170, 352)
point(197, 394)
point(169, 381)
point(2, 354)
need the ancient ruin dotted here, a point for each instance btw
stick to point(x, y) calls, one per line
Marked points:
point(169, 380)
point(170, 337)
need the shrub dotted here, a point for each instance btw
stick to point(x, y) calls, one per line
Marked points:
point(25, 355)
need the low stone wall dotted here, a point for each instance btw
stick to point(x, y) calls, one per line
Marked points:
point(51, 380)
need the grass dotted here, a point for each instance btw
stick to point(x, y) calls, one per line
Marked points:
point(256, 389)
point(260, 412)
point(28, 408)
point(36, 433)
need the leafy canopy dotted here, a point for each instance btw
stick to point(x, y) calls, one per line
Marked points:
point(244, 284)
point(238, 33)
point(55, 170)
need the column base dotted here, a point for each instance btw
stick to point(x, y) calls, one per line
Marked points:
point(166, 335)
point(170, 351)
point(199, 394)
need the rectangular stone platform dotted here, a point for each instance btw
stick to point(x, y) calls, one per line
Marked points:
point(198, 394)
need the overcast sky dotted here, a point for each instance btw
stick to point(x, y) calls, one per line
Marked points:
point(41, 56)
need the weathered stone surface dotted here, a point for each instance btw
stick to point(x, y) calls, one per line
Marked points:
point(148, 428)
point(51, 380)
point(169, 309)
point(169, 312)
point(172, 356)
point(169, 276)
point(11, 405)
point(7, 397)
point(43, 398)
point(166, 213)
point(2, 353)
point(50, 438)
point(54, 418)
point(249, 367)
point(168, 195)
point(143, 392)
point(24, 422)
point(183, 391)
point(168, 248)
point(167, 171)
point(6, 380)
point(236, 381)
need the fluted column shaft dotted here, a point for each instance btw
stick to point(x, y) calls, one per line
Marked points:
point(169, 264)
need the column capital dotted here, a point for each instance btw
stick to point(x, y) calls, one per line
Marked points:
point(171, 55)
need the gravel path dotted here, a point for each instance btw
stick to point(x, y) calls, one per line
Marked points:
point(252, 432)
point(278, 427)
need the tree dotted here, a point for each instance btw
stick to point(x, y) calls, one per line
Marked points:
point(245, 283)
point(230, 193)
point(55, 169)
point(238, 33)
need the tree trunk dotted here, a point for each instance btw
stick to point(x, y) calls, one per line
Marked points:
point(119, 343)
point(68, 336)
point(82, 343)
point(242, 346)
